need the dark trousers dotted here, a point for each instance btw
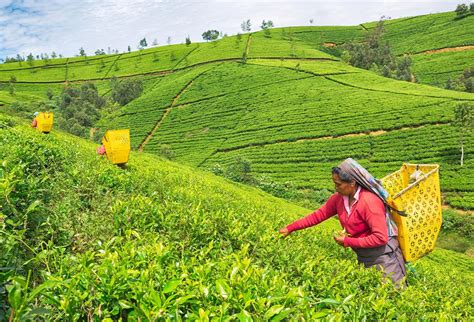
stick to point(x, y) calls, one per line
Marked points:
point(387, 258)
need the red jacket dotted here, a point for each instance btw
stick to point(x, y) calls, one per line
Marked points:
point(366, 225)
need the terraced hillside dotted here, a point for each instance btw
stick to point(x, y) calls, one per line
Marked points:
point(81, 239)
point(295, 119)
point(292, 110)
point(440, 45)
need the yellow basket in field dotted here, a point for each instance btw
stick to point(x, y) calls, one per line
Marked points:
point(117, 145)
point(45, 122)
point(421, 201)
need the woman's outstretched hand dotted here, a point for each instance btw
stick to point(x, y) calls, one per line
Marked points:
point(284, 232)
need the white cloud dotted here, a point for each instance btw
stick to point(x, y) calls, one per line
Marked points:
point(64, 26)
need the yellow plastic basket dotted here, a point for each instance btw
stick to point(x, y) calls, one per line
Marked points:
point(117, 145)
point(421, 201)
point(45, 122)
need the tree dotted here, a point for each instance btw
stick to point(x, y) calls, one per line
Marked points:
point(54, 55)
point(155, 42)
point(82, 52)
point(30, 59)
point(49, 94)
point(471, 7)
point(188, 41)
point(129, 49)
point(125, 91)
point(461, 10)
point(266, 24)
point(246, 25)
point(464, 121)
point(143, 43)
point(210, 35)
point(99, 52)
point(311, 21)
point(168, 40)
point(19, 59)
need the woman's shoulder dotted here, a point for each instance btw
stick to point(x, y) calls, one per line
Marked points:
point(370, 198)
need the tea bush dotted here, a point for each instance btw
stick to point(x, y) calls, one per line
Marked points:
point(84, 239)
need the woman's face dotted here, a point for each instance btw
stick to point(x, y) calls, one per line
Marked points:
point(342, 187)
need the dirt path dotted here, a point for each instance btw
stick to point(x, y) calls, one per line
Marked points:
point(445, 50)
point(165, 114)
point(168, 111)
point(320, 138)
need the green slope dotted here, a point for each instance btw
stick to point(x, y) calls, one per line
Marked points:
point(285, 117)
point(159, 240)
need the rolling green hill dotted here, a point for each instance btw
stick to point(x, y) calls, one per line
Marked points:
point(293, 111)
point(83, 239)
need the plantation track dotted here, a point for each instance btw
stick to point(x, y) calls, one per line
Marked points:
point(111, 66)
point(391, 92)
point(359, 134)
point(167, 111)
point(445, 50)
point(169, 71)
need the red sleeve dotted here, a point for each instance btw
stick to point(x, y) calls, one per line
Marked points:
point(326, 211)
point(374, 215)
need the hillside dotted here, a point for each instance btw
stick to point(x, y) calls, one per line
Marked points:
point(159, 240)
point(291, 110)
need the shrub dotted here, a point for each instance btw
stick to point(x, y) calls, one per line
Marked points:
point(125, 91)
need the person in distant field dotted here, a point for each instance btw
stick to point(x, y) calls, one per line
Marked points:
point(359, 202)
point(101, 150)
point(34, 123)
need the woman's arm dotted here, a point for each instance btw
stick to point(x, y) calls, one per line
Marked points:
point(326, 211)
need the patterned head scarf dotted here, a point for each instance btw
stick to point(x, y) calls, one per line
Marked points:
point(369, 182)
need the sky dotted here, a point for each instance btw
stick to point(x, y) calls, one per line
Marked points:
point(64, 26)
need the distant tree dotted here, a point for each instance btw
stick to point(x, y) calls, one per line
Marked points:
point(168, 40)
point(266, 24)
point(11, 89)
point(82, 52)
point(464, 121)
point(54, 55)
point(129, 49)
point(188, 41)
point(155, 42)
point(210, 35)
point(246, 25)
point(45, 58)
point(60, 56)
point(99, 52)
point(30, 59)
point(375, 54)
point(49, 93)
point(311, 21)
point(465, 82)
point(143, 43)
point(166, 152)
point(471, 7)
point(79, 108)
point(125, 91)
point(461, 10)
point(19, 59)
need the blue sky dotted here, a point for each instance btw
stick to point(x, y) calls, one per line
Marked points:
point(63, 26)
